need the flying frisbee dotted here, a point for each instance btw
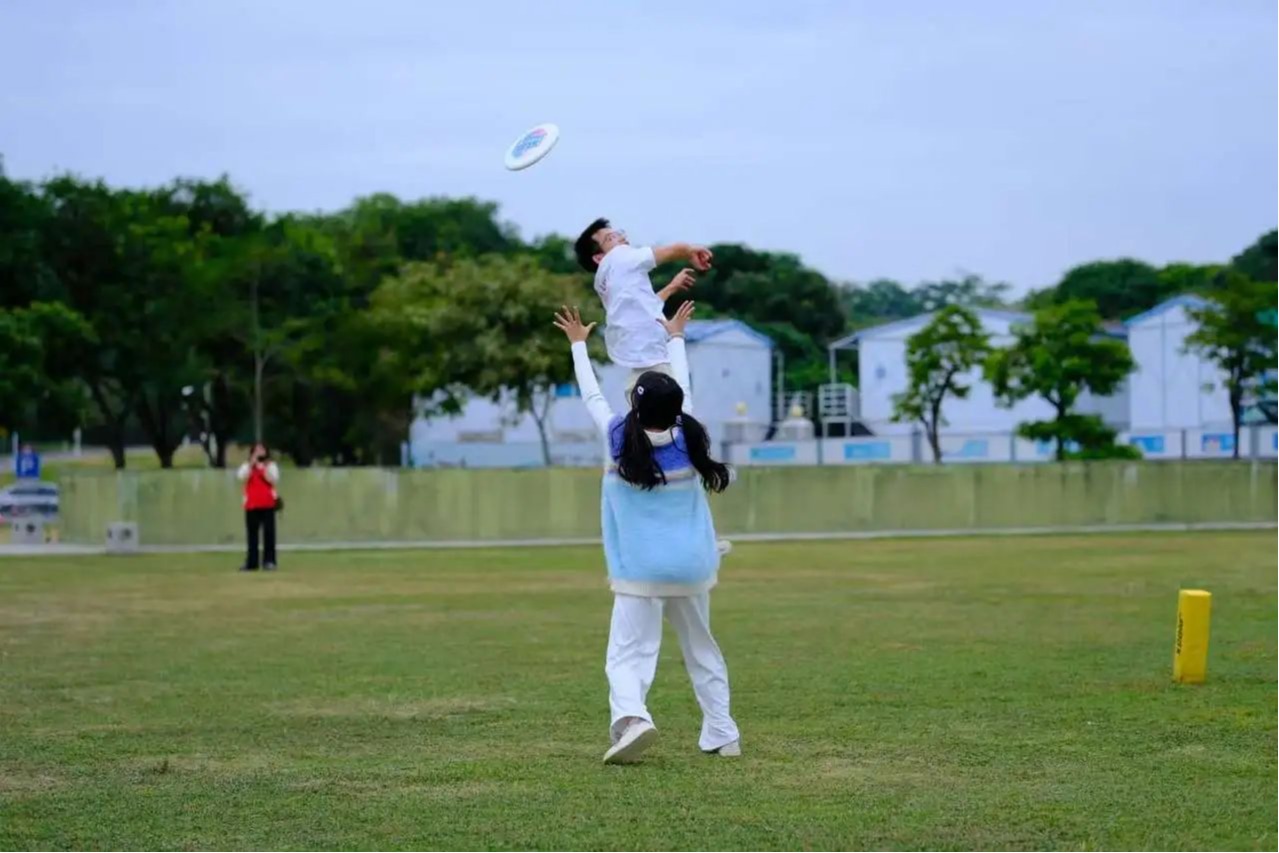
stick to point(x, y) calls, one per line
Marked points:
point(532, 146)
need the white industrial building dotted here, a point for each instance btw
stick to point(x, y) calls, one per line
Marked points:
point(1172, 389)
point(882, 375)
point(731, 366)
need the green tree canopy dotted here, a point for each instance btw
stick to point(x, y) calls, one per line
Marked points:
point(1118, 288)
point(1058, 357)
point(476, 326)
point(1259, 261)
point(1235, 334)
point(937, 358)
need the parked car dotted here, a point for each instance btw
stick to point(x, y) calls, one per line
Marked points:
point(29, 498)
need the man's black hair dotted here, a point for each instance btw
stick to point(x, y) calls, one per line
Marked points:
point(586, 248)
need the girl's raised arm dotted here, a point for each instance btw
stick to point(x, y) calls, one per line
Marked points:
point(569, 321)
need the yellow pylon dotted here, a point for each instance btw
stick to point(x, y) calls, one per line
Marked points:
point(1190, 649)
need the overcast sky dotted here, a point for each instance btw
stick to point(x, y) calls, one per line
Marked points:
point(909, 140)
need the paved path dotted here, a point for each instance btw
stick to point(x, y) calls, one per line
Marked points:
point(62, 549)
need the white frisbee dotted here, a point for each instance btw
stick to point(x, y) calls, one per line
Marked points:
point(532, 146)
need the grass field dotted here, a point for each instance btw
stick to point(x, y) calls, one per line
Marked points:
point(933, 694)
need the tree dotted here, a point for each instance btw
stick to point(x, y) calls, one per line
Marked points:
point(775, 293)
point(554, 253)
point(765, 287)
point(41, 349)
point(126, 261)
point(1119, 288)
point(1180, 278)
point(1235, 335)
point(937, 358)
point(66, 342)
point(305, 354)
point(477, 326)
point(379, 232)
point(1259, 262)
point(20, 355)
point(80, 241)
point(880, 301)
point(969, 291)
point(1059, 356)
point(175, 310)
point(25, 275)
point(218, 217)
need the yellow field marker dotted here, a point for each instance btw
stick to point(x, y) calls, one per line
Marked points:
point(1190, 650)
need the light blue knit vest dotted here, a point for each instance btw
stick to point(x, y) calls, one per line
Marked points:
point(665, 535)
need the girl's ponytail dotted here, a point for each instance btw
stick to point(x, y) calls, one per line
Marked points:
point(635, 463)
point(715, 475)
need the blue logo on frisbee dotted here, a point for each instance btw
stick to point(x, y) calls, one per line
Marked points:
point(531, 140)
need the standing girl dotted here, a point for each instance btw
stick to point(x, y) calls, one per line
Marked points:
point(659, 543)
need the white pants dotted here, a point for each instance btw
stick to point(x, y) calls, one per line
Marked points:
point(634, 639)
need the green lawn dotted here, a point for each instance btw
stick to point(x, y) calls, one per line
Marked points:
point(932, 694)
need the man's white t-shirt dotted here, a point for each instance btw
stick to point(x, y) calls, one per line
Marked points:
point(633, 331)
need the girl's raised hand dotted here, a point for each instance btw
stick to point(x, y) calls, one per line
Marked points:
point(675, 325)
point(569, 321)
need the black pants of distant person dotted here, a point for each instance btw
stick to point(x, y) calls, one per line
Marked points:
point(263, 520)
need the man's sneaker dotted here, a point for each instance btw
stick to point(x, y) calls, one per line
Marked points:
point(638, 737)
point(728, 750)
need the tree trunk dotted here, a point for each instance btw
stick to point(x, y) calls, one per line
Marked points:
point(207, 442)
point(199, 423)
point(1236, 416)
point(301, 447)
point(931, 428)
point(539, 416)
point(220, 418)
point(1061, 439)
point(155, 425)
point(115, 424)
point(116, 443)
point(259, 365)
point(259, 358)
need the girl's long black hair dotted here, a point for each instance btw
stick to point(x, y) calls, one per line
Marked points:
point(657, 404)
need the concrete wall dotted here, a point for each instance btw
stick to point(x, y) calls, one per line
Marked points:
point(203, 506)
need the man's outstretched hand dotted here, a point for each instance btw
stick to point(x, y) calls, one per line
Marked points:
point(684, 280)
point(700, 257)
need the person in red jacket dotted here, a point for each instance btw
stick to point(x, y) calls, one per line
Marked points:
point(260, 474)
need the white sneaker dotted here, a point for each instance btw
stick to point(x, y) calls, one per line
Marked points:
point(724, 547)
point(638, 737)
point(728, 750)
